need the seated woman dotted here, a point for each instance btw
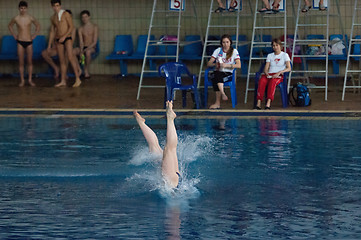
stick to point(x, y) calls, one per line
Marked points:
point(277, 63)
point(225, 59)
point(170, 170)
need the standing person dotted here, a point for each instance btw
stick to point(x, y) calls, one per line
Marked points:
point(225, 59)
point(51, 52)
point(170, 170)
point(61, 30)
point(267, 8)
point(24, 38)
point(88, 38)
point(277, 63)
point(308, 6)
point(222, 8)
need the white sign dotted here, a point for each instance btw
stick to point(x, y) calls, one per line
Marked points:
point(237, 4)
point(281, 8)
point(175, 5)
point(316, 3)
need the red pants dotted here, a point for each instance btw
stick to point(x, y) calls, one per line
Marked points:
point(271, 83)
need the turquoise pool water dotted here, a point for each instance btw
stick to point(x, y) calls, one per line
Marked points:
point(92, 178)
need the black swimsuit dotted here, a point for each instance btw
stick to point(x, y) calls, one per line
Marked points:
point(66, 39)
point(25, 44)
point(179, 179)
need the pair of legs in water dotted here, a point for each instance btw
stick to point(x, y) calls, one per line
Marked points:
point(170, 170)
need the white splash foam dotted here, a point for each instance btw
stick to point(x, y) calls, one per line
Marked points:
point(190, 148)
point(142, 156)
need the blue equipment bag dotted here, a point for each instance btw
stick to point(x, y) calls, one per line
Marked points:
point(302, 99)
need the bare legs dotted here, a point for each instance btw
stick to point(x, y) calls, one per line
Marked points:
point(221, 90)
point(47, 55)
point(88, 58)
point(170, 160)
point(149, 135)
point(68, 47)
point(219, 95)
point(29, 57)
point(220, 4)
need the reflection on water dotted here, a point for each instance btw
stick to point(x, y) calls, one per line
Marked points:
point(243, 179)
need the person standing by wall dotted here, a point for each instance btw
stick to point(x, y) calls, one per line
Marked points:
point(24, 38)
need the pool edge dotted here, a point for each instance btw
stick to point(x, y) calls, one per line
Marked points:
point(193, 113)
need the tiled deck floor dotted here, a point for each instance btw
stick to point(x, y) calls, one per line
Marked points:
point(107, 92)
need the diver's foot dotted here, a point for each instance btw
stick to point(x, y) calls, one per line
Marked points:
point(77, 83)
point(170, 113)
point(138, 117)
point(22, 84)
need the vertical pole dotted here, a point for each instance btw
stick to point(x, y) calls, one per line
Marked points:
point(326, 47)
point(251, 53)
point(349, 51)
point(146, 49)
point(294, 42)
point(205, 44)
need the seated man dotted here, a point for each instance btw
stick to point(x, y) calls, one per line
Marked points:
point(88, 38)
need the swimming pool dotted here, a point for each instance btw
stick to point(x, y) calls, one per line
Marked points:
point(260, 178)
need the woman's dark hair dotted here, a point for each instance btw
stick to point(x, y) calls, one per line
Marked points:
point(230, 51)
point(277, 41)
point(23, 4)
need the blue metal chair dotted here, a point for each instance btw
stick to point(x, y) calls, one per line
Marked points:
point(141, 45)
point(192, 51)
point(39, 44)
point(9, 48)
point(123, 48)
point(282, 86)
point(337, 58)
point(230, 84)
point(173, 73)
point(356, 50)
point(167, 50)
point(264, 49)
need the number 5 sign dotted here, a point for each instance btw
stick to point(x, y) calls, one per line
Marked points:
point(175, 5)
point(237, 4)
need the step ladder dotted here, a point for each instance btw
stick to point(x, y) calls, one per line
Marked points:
point(309, 20)
point(216, 27)
point(166, 19)
point(352, 43)
point(259, 28)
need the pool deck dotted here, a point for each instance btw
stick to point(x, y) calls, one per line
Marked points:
point(107, 95)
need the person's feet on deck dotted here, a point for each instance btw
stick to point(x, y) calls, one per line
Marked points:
point(77, 83)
